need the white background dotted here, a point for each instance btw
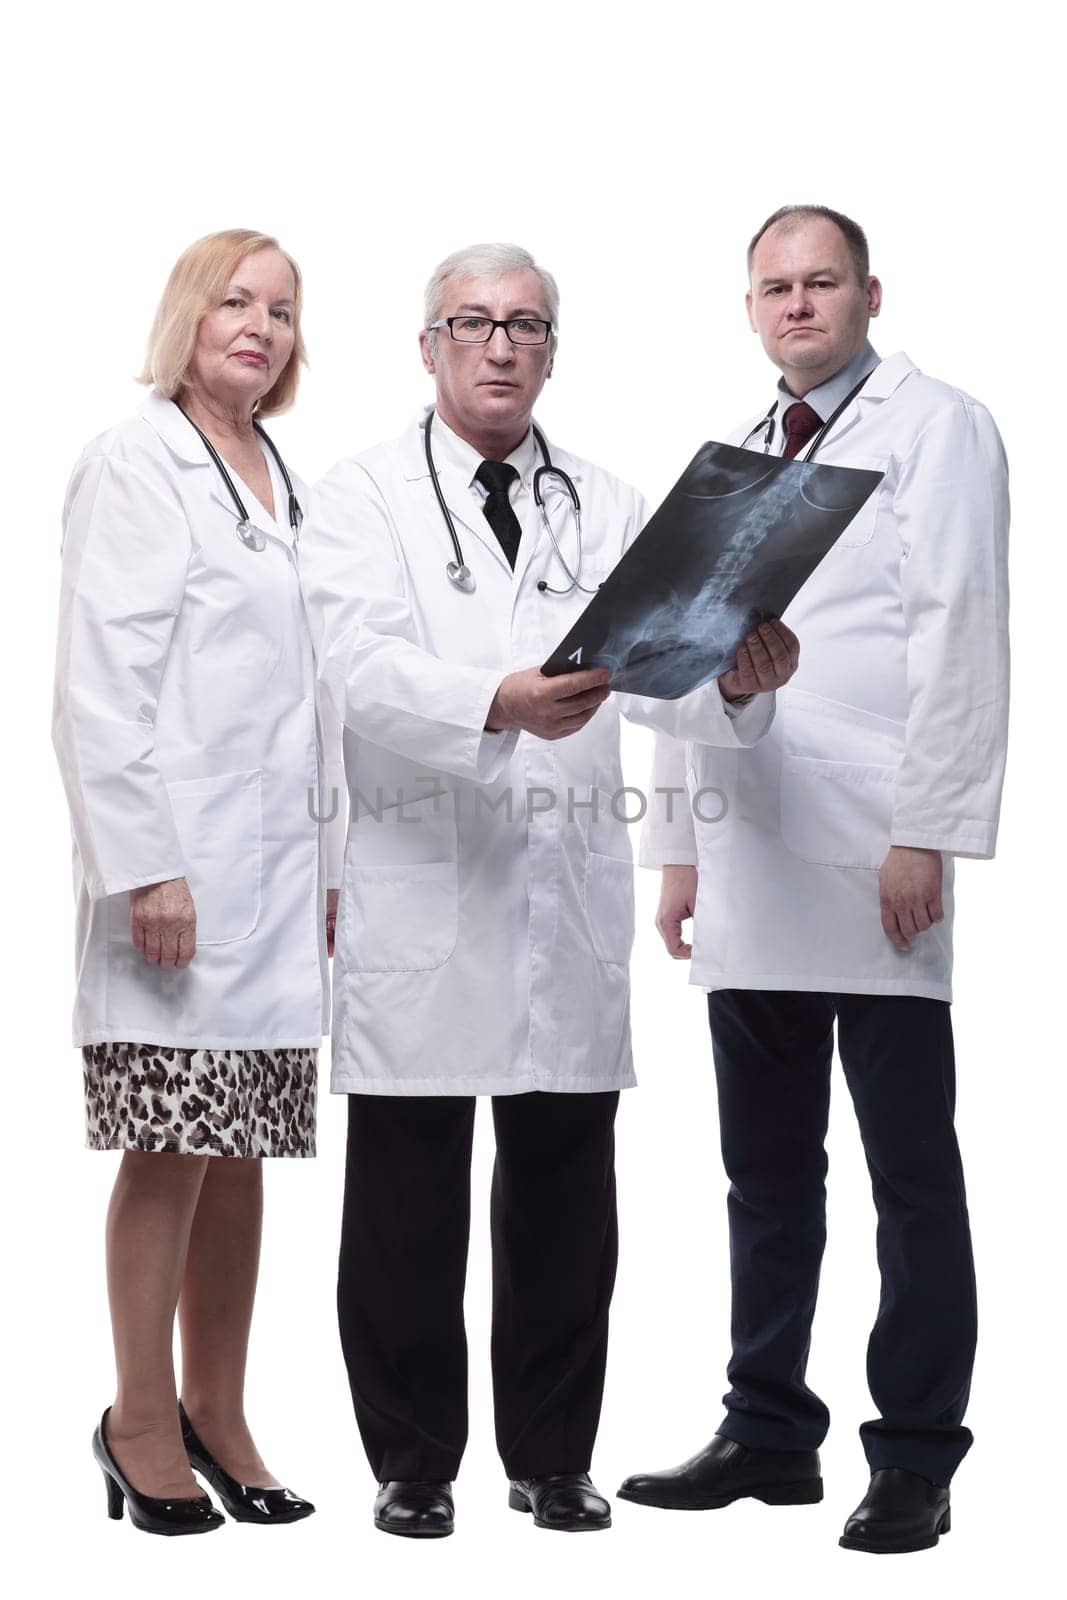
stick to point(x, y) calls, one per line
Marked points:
point(634, 149)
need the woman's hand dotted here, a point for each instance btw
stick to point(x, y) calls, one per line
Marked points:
point(163, 923)
point(332, 897)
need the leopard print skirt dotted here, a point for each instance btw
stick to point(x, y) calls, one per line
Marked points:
point(200, 1102)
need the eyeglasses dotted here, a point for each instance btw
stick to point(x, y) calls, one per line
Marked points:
point(479, 330)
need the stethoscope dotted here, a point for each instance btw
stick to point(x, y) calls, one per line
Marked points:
point(251, 537)
point(458, 571)
point(767, 423)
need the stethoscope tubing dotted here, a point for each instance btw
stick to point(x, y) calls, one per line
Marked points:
point(245, 530)
point(458, 571)
point(767, 423)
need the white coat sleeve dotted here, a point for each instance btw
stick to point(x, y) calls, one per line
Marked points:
point(701, 715)
point(335, 796)
point(952, 508)
point(385, 685)
point(668, 836)
point(126, 550)
point(702, 718)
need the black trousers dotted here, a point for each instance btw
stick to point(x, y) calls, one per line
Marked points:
point(773, 1053)
point(403, 1268)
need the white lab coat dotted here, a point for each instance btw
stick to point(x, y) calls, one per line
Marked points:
point(476, 953)
point(187, 736)
point(893, 730)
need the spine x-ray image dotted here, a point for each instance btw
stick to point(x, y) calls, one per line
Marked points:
point(729, 547)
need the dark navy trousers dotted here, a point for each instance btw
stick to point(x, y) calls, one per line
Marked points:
point(773, 1053)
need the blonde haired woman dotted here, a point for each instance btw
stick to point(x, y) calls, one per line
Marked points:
point(189, 741)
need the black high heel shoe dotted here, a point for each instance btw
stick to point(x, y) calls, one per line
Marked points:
point(244, 1502)
point(192, 1515)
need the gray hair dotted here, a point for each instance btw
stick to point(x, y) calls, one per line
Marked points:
point(487, 261)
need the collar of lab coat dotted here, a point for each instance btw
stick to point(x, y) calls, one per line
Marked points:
point(887, 376)
point(183, 441)
point(176, 431)
point(455, 483)
point(452, 452)
point(825, 398)
point(884, 381)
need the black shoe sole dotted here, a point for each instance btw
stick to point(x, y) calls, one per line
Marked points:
point(808, 1493)
point(174, 1533)
point(413, 1533)
point(519, 1502)
point(899, 1547)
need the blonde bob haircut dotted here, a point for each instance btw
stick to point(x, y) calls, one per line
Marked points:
point(197, 284)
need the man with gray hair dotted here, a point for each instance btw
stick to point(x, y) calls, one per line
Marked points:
point(486, 910)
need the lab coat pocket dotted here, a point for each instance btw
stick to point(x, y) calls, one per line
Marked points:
point(609, 885)
point(219, 825)
point(400, 909)
point(837, 813)
point(860, 530)
point(609, 905)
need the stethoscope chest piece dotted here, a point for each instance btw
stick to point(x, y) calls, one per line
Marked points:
point(251, 536)
point(461, 576)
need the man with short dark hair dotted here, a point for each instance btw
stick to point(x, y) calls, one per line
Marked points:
point(791, 217)
point(826, 898)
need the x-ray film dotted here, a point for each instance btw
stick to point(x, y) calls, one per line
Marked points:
point(730, 547)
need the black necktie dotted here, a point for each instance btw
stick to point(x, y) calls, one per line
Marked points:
point(801, 421)
point(497, 477)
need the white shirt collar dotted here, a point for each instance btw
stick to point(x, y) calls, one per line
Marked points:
point(465, 460)
point(825, 399)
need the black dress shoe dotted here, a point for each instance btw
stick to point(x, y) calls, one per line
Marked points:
point(726, 1471)
point(245, 1502)
point(416, 1510)
point(194, 1514)
point(564, 1500)
point(899, 1512)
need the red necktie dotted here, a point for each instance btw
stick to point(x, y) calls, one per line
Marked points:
point(800, 423)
